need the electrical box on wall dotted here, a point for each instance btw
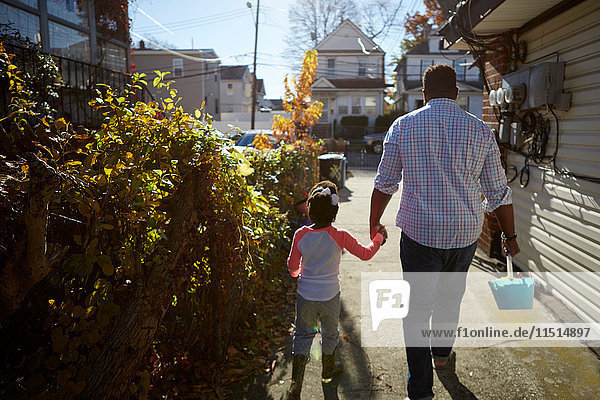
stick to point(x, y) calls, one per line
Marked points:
point(537, 86)
point(504, 130)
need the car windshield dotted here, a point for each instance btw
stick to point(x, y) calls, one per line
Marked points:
point(246, 140)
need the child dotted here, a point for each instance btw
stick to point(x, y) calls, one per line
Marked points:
point(315, 258)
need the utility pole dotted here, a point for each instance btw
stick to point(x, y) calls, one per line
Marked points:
point(254, 83)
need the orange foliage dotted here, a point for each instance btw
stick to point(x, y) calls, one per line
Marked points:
point(303, 113)
point(418, 25)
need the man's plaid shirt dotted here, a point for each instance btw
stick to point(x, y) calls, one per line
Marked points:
point(446, 158)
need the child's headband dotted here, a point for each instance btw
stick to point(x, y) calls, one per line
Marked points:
point(327, 191)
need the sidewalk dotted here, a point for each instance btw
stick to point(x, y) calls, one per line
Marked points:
point(380, 373)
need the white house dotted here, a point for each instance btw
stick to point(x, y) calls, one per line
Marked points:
point(410, 69)
point(350, 77)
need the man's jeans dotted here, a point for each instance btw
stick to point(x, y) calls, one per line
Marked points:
point(433, 297)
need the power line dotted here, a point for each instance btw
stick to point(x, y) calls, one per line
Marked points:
point(175, 24)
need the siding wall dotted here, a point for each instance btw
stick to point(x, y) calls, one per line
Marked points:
point(558, 217)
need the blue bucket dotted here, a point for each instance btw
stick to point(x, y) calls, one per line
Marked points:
point(513, 293)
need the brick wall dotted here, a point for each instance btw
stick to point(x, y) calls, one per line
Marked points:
point(496, 65)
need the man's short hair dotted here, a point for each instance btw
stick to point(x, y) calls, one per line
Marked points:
point(439, 78)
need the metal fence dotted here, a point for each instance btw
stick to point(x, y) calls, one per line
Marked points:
point(79, 79)
point(359, 158)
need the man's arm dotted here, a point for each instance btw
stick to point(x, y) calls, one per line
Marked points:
point(506, 219)
point(379, 202)
point(498, 196)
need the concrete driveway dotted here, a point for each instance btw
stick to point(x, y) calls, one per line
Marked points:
point(484, 373)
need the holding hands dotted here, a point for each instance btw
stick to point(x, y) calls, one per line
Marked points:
point(378, 228)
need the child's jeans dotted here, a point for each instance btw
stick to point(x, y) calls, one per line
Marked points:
point(307, 314)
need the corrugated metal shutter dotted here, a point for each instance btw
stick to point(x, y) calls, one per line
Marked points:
point(558, 217)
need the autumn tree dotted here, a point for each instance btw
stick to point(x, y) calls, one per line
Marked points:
point(418, 26)
point(297, 102)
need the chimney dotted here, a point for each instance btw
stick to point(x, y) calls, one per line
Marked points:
point(142, 45)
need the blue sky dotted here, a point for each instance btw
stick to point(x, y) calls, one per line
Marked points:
point(227, 26)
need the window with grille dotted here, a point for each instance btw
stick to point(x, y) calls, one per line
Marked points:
point(370, 105)
point(357, 105)
point(343, 103)
point(362, 67)
point(331, 68)
point(177, 67)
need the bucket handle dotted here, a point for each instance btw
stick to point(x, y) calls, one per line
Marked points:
point(509, 266)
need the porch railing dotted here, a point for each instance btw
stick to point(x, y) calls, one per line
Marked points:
point(79, 80)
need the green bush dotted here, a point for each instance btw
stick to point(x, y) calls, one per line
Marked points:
point(355, 120)
point(386, 120)
point(159, 237)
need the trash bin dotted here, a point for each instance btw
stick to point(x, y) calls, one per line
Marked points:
point(332, 166)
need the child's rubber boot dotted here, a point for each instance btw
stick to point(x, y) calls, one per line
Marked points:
point(298, 366)
point(331, 368)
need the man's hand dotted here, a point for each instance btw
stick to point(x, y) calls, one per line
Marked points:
point(510, 247)
point(375, 228)
point(383, 232)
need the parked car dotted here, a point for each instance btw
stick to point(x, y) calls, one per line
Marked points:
point(374, 142)
point(247, 139)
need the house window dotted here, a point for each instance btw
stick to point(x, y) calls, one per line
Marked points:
point(230, 88)
point(357, 105)
point(28, 24)
point(343, 103)
point(370, 105)
point(424, 65)
point(216, 105)
point(362, 67)
point(216, 77)
point(177, 67)
point(331, 68)
point(461, 69)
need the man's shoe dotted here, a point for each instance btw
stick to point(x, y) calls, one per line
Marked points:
point(298, 367)
point(440, 366)
point(331, 368)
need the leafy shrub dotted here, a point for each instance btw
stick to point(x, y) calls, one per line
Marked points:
point(355, 120)
point(159, 236)
point(386, 120)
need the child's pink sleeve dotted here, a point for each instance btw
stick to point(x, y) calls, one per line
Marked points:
point(293, 261)
point(363, 252)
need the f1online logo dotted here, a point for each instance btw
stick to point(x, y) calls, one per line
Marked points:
point(388, 299)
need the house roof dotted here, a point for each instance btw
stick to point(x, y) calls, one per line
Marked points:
point(277, 104)
point(369, 45)
point(199, 53)
point(420, 48)
point(489, 17)
point(358, 83)
point(233, 72)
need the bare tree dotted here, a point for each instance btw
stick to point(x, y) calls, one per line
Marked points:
point(379, 16)
point(312, 20)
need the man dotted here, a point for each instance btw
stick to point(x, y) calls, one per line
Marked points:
point(446, 158)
